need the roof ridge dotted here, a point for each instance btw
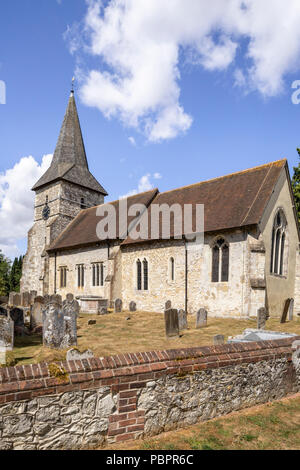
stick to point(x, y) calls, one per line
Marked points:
point(225, 176)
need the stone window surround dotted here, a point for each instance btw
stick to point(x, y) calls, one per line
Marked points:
point(286, 247)
point(212, 244)
point(135, 274)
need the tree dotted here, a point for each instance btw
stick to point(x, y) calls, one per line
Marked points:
point(296, 186)
point(15, 274)
point(4, 274)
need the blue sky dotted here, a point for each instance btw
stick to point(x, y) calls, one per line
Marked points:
point(229, 116)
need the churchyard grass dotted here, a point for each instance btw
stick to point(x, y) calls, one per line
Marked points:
point(273, 426)
point(113, 334)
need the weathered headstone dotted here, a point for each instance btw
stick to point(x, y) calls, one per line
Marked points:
point(132, 306)
point(103, 311)
point(74, 354)
point(6, 333)
point(118, 306)
point(102, 307)
point(285, 310)
point(56, 298)
point(261, 318)
point(171, 322)
point(11, 298)
point(25, 299)
point(33, 295)
point(36, 313)
point(219, 340)
point(59, 325)
point(91, 322)
point(168, 305)
point(16, 300)
point(17, 315)
point(182, 320)
point(70, 305)
point(201, 318)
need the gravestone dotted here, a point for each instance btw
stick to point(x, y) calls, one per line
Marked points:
point(17, 316)
point(11, 298)
point(261, 318)
point(201, 318)
point(103, 311)
point(6, 333)
point(132, 307)
point(33, 294)
point(219, 340)
point(59, 324)
point(71, 305)
point(285, 310)
point(74, 354)
point(168, 305)
point(56, 298)
point(182, 320)
point(25, 299)
point(36, 313)
point(16, 300)
point(291, 310)
point(102, 307)
point(91, 322)
point(118, 306)
point(171, 322)
point(70, 308)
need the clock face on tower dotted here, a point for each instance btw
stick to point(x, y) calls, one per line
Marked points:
point(46, 212)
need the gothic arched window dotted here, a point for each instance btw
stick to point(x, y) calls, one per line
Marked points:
point(220, 261)
point(172, 269)
point(278, 244)
point(139, 274)
point(145, 269)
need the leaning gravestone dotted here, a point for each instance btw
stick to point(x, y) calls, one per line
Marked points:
point(285, 310)
point(182, 320)
point(201, 318)
point(219, 340)
point(168, 305)
point(291, 310)
point(118, 306)
point(6, 333)
point(171, 322)
point(36, 313)
point(132, 307)
point(261, 318)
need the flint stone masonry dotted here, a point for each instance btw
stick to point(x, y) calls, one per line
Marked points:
point(171, 322)
point(201, 318)
point(123, 397)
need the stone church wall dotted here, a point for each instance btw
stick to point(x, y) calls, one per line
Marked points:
point(127, 396)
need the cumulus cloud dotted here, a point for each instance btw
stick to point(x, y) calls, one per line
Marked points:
point(17, 201)
point(141, 47)
point(132, 141)
point(144, 185)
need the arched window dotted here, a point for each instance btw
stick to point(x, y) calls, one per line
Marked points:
point(172, 269)
point(220, 261)
point(278, 244)
point(145, 269)
point(139, 274)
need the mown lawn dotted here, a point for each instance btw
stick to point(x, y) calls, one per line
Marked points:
point(274, 426)
point(114, 334)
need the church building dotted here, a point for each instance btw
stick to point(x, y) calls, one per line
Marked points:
point(249, 257)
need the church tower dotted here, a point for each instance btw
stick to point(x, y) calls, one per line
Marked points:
point(62, 192)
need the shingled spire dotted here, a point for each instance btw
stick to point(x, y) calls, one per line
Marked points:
point(69, 161)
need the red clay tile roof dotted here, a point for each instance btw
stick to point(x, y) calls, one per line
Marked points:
point(231, 201)
point(82, 230)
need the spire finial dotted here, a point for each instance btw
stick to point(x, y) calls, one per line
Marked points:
point(72, 89)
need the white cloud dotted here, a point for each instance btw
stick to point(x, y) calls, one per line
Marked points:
point(132, 141)
point(17, 201)
point(139, 45)
point(144, 185)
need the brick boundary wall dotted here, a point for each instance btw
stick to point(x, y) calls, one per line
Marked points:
point(127, 375)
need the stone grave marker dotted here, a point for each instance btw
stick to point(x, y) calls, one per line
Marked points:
point(132, 306)
point(6, 333)
point(33, 295)
point(71, 305)
point(36, 313)
point(219, 340)
point(182, 320)
point(118, 306)
point(261, 318)
point(201, 318)
point(171, 322)
point(168, 305)
point(16, 300)
point(103, 307)
point(59, 324)
point(291, 310)
point(74, 354)
point(11, 298)
point(285, 310)
point(25, 299)
point(103, 311)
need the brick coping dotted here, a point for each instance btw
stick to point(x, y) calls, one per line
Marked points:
point(132, 370)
